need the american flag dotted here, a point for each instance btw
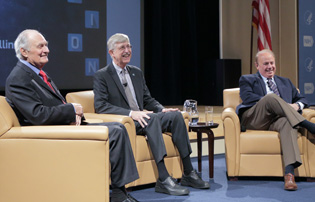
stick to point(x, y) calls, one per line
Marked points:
point(261, 20)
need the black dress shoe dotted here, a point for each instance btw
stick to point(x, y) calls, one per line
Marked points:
point(128, 199)
point(131, 198)
point(194, 180)
point(170, 186)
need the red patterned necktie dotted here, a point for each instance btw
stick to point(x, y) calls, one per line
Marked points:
point(45, 78)
point(43, 74)
point(273, 87)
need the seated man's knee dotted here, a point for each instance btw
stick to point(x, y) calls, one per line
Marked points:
point(174, 115)
point(117, 129)
point(153, 116)
point(120, 125)
point(271, 97)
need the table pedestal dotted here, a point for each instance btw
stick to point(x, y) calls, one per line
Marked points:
point(199, 129)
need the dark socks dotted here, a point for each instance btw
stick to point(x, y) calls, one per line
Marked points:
point(119, 194)
point(289, 169)
point(187, 165)
point(308, 125)
point(163, 174)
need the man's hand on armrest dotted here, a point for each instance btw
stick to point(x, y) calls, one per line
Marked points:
point(139, 116)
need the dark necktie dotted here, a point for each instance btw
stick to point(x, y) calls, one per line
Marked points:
point(272, 86)
point(45, 78)
point(132, 103)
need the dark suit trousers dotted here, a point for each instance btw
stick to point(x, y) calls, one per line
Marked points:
point(273, 113)
point(123, 166)
point(165, 122)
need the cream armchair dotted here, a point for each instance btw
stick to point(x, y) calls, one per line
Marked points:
point(144, 159)
point(52, 163)
point(257, 152)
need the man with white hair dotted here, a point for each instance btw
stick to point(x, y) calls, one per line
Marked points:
point(37, 101)
point(120, 88)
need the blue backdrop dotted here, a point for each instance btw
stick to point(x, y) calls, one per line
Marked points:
point(75, 30)
point(123, 16)
point(307, 49)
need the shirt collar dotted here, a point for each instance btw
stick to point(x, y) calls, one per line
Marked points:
point(265, 79)
point(118, 69)
point(36, 70)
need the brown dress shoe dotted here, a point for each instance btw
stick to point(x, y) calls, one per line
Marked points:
point(289, 182)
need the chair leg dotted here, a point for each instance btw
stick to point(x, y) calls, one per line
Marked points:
point(231, 178)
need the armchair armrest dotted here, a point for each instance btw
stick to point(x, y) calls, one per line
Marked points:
point(186, 119)
point(125, 120)
point(58, 132)
point(309, 114)
point(232, 131)
point(309, 142)
point(229, 117)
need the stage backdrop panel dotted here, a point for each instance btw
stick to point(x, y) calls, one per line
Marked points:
point(307, 49)
point(75, 30)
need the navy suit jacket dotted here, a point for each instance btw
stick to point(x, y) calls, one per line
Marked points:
point(110, 97)
point(33, 101)
point(253, 88)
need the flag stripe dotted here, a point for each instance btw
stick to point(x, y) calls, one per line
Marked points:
point(261, 21)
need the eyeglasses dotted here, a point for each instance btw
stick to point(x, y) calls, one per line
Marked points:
point(122, 48)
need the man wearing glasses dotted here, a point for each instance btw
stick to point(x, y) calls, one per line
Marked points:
point(120, 88)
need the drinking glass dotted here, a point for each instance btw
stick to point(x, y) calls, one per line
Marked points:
point(209, 115)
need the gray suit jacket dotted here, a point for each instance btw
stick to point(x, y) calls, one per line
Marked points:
point(110, 97)
point(33, 101)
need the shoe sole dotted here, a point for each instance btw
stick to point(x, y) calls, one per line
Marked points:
point(161, 190)
point(187, 184)
point(290, 189)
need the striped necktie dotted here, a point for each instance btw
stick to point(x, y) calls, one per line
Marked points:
point(131, 101)
point(272, 86)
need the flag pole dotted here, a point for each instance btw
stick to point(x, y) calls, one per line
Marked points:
point(251, 44)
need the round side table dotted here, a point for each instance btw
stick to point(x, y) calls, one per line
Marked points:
point(200, 128)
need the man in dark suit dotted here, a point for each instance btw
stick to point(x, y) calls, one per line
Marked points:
point(37, 101)
point(121, 89)
point(272, 102)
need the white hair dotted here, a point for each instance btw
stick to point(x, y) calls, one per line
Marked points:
point(22, 41)
point(116, 38)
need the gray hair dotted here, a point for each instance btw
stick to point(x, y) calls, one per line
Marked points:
point(264, 51)
point(22, 41)
point(116, 38)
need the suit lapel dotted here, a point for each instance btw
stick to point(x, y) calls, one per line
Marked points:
point(261, 83)
point(41, 83)
point(136, 86)
point(280, 86)
point(113, 73)
point(56, 90)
